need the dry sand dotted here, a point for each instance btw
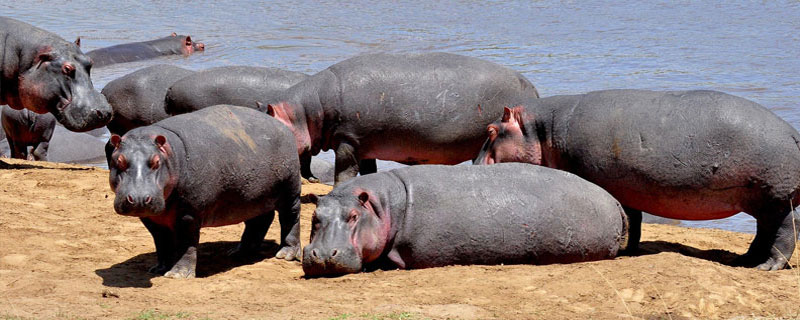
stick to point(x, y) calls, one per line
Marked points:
point(64, 253)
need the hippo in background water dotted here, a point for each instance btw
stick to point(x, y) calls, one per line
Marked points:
point(25, 128)
point(43, 73)
point(415, 109)
point(138, 98)
point(218, 166)
point(128, 52)
point(245, 86)
point(433, 216)
point(689, 155)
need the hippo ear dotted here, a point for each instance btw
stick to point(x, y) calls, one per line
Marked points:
point(507, 114)
point(173, 34)
point(78, 42)
point(115, 140)
point(270, 110)
point(188, 41)
point(363, 197)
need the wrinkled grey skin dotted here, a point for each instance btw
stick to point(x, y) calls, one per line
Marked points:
point(138, 98)
point(41, 72)
point(73, 147)
point(433, 216)
point(25, 128)
point(135, 51)
point(323, 170)
point(218, 166)
point(413, 108)
point(245, 86)
point(691, 155)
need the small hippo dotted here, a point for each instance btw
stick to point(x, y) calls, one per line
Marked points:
point(433, 216)
point(138, 98)
point(428, 108)
point(135, 51)
point(43, 73)
point(218, 166)
point(689, 155)
point(244, 86)
point(25, 128)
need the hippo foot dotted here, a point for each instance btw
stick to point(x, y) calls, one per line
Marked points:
point(289, 253)
point(158, 269)
point(311, 179)
point(185, 267)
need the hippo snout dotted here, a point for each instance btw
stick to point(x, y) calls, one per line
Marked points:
point(86, 111)
point(329, 261)
point(139, 204)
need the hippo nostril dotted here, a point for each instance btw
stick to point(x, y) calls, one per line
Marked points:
point(334, 252)
point(98, 112)
point(314, 254)
point(130, 199)
point(148, 200)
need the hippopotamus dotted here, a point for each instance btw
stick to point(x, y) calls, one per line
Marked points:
point(688, 155)
point(429, 108)
point(218, 166)
point(245, 86)
point(25, 128)
point(74, 147)
point(44, 73)
point(138, 98)
point(433, 216)
point(135, 51)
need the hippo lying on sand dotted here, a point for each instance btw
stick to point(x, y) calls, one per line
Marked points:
point(43, 73)
point(415, 109)
point(218, 166)
point(431, 216)
point(690, 155)
point(135, 51)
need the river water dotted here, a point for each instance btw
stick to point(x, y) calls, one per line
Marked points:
point(747, 48)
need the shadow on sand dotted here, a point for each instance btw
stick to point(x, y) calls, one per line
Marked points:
point(212, 259)
point(716, 255)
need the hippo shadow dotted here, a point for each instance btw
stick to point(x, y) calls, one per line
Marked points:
point(212, 258)
point(716, 255)
point(20, 166)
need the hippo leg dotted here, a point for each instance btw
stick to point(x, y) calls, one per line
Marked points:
point(289, 216)
point(367, 166)
point(164, 239)
point(634, 230)
point(346, 163)
point(40, 151)
point(774, 243)
point(305, 168)
point(255, 230)
point(18, 151)
point(187, 234)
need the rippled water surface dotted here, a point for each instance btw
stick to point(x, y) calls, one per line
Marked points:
point(750, 49)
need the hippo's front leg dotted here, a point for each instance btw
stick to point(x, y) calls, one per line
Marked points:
point(164, 239)
point(346, 162)
point(289, 216)
point(774, 243)
point(40, 151)
point(634, 230)
point(305, 168)
point(187, 232)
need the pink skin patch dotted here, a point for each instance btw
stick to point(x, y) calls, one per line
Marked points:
point(285, 113)
point(369, 239)
point(512, 147)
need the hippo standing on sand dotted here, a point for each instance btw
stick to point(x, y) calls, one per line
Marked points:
point(25, 128)
point(414, 109)
point(43, 73)
point(218, 166)
point(690, 155)
point(135, 51)
point(138, 98)
point(245, 86)
point(433, 216)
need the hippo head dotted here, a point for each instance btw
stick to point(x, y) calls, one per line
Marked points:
point(509, 141)
point(187, 45)
point(141, 173)
point(58, 82)
point(348, 231)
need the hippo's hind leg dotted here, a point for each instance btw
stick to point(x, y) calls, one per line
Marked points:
point(289, 216)
point(774, 243)
point(40, 151)
point(305, 168)
point(367, 166)
point(255, 230)
point(164, 239)
point(18, 150)
point(346, 162)
point(634, 230)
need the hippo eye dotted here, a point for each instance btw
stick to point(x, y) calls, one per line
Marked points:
point(122, 163)
point(353, 217)
point(155, 162)
point(68, 69)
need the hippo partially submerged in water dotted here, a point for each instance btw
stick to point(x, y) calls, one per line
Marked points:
point(431, 216)
point(690, 155)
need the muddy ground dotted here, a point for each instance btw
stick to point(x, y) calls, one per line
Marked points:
point(65, 254)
